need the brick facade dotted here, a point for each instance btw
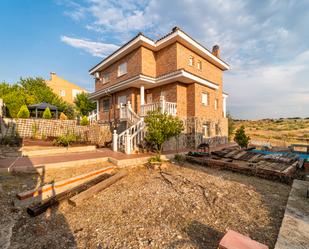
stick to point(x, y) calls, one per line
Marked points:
point(187, 95)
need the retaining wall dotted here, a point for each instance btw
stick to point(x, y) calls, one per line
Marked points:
point(43, 128)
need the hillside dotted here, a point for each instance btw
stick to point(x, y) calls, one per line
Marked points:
point(280, 132)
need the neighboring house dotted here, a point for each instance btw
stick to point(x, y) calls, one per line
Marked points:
point(175, 73)
point(65, 89)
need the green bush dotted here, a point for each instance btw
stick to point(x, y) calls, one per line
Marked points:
point(84, 121)
point(47, 114)
point(179, 158)
point(160, 128)
point(155, 159)
point(66, 140)
point(23, 112)
point(241, 138)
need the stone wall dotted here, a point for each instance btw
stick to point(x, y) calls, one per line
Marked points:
point(192, 135)
point(44, 128)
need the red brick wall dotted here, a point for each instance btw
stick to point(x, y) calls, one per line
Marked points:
point(166, 60)
point(134, 68)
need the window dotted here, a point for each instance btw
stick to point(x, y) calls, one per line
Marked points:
point(205, 98)
point(216, 104)
point(206, 130)
point(199, 65)
point(106, 105)
point(122, 100)
point(191, 61)
point(62, 93)
point(75, 92)
point(122, 69)
point(106, 77)
point(217, 128)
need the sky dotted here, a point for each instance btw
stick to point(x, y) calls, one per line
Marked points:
point(266, 43)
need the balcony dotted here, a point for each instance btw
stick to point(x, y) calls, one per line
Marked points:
point(165, 107)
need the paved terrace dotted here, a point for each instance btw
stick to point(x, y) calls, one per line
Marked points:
point(34, 161)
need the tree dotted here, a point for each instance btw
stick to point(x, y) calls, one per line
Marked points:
point(83, 104)
point(160, 128)
point(231, 126)
point(84, 121)
point(63, 116)
point(23, 112)
point(31, 91)
point(241, 138)
point(47, 114)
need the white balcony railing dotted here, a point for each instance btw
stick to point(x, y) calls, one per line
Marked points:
point(164, 106)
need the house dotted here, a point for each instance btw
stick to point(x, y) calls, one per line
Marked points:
point(63, 88)
point(175, 73)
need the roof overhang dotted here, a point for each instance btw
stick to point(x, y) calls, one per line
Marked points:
point(176, 36)
point(150, 82)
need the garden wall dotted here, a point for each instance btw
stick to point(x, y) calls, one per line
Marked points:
point(44, 128)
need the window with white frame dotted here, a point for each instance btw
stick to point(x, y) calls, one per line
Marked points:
point(216, 104)
point(75, 92)
point(122, 69)
point(199, 65)
point(191, 61)
point(62, 93)
point(205, 99)
point(106, 77)
point(206, 130)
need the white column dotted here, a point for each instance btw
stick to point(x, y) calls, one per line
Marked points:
point(127, 140)
point(115, 141)
point(224, 105)
point(142, 92)
point(162, 104)
point(98, 109)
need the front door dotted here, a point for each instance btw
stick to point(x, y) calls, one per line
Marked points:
point(149, 98)
point(122, 101)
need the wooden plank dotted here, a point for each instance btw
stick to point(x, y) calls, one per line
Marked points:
point(41, 207)
point(48, 190)
point(78, 199)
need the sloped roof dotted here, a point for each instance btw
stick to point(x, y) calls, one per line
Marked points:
point(43, 106)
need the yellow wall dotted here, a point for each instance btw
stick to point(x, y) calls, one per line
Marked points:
point(58, 84)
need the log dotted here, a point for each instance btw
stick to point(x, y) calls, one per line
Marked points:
point(78, 199)
point(41, 207)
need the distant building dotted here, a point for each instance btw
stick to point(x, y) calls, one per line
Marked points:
point(65, 89)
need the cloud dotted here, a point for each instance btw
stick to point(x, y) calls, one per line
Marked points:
point(97, 49)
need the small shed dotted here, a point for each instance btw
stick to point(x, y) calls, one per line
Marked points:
point(41, 107)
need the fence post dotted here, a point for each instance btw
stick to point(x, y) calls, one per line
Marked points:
point(127, 142)
point(162, 104)
point(115, 141)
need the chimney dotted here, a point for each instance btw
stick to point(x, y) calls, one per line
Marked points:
point(216, 51)
point(175, 29)
point(52, 75)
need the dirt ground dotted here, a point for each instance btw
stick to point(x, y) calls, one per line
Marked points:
point(179, 207)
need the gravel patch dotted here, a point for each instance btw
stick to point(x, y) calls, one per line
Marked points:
point(176, 207)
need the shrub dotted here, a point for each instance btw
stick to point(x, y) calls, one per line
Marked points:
point(155, 159)
point(23, 112)
point(63, 116)
point(11, 140)
point(179, 158)
point(47, 114)
point(65, 140)
point(160, 128)
point(84, 121)
point(241, 138)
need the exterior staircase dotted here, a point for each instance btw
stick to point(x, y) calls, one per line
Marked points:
point(128, 140)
